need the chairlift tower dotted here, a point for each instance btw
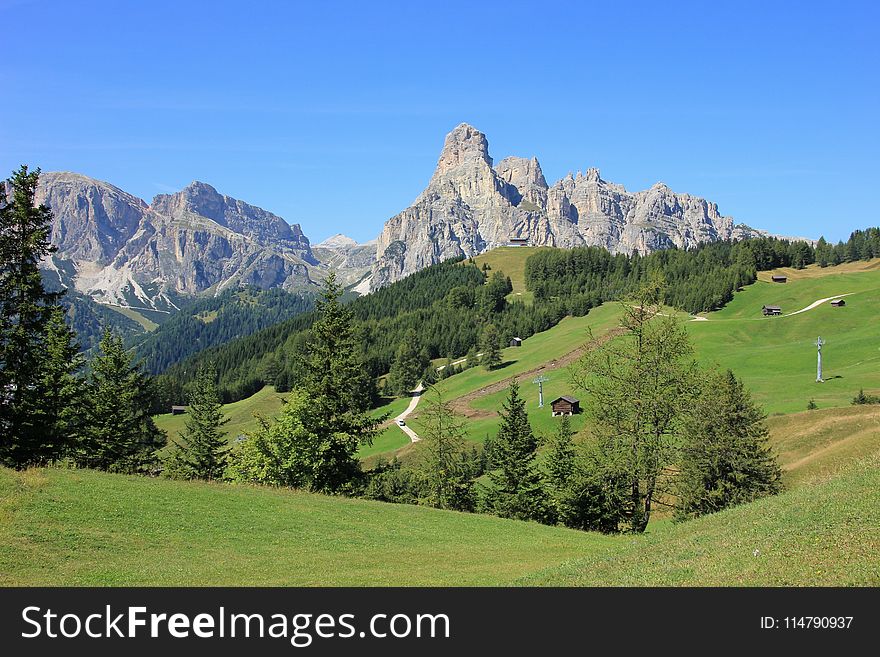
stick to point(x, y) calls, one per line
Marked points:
point(540, 381)
point(819, 343)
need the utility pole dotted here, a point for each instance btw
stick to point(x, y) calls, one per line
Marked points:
point(819, 343)
point(540, 381)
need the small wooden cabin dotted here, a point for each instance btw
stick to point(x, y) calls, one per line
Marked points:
point(779, 279)
point(178, 410)
point(516, 342)
point(518, 241)
point(565, 406)
point(771, 310)
point(837, 303)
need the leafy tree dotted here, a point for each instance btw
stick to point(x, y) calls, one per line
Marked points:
point(489, 344)
point(282, 452)
point(202, 450)
point(25, 309)
point(516, 490)
point(726, 459)
point(120, 434)
point(448, 479)
point(638, 388)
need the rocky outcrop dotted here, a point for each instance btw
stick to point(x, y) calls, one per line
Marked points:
point(470, 206)
point(122, 251)
point(353, 262)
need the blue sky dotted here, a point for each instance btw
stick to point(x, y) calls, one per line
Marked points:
point(332, 114)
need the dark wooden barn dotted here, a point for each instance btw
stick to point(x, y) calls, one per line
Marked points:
point(178, 410)
point(565, 406)
point(837, 303)
point(771, 310)
point(779, 279)
point(516, 342)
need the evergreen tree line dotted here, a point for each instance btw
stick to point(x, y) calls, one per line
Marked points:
point(50, 410)
point(697, 280)
point(207, 322)
point(448, 306)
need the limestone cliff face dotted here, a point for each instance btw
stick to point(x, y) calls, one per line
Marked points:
point(470, 206)
point(125, 252)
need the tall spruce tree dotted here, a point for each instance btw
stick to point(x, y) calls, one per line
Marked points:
point(408, 365)
point(120, 435)
point(201, 452)
point(60, 410)
point(340, 389)
point(491, 348)
point(725, 458)
point(25, 308)
point(516, 488)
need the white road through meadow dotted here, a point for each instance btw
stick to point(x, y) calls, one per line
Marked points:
point(815, 304)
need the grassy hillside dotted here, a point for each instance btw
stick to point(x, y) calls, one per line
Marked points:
point(512, 261)
point(821, 535)
point(267, 403)
point(63, 527)
point(776, 356)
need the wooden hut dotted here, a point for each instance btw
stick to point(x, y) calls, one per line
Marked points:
point(565, 406)
point(837, 303)
point(178, 410)
point(779, 279)
point(516, 342)
point(771, 310)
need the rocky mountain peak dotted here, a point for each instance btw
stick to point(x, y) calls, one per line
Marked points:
point(464, 145)
point(337, 241)
point(469, 207)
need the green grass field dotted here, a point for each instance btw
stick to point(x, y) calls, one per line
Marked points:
point(131, 313)
point(65, 527)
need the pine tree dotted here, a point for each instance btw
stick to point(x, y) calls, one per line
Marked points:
point(59, 411)
point(516, 490)
point(25, 308)
point(120, 435)
point(408, 365)
point(448, 481)
point(726, 459)
point(201, 452)
point(471, 359)
point(334, 377)
point(489, 344)
point(561, 456)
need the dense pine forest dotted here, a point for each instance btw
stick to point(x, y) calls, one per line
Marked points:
point(212, 321)
point(447, 306)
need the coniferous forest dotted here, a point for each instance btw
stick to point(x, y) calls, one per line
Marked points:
point(449, 304)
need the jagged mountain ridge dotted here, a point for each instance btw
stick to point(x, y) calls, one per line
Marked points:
point(469, 206)
point(119, 250)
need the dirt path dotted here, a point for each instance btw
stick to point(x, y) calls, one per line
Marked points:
point(463, 406)
point(416, 398)
point(815, 304)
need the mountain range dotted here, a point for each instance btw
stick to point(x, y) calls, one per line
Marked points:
point(117, 249)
